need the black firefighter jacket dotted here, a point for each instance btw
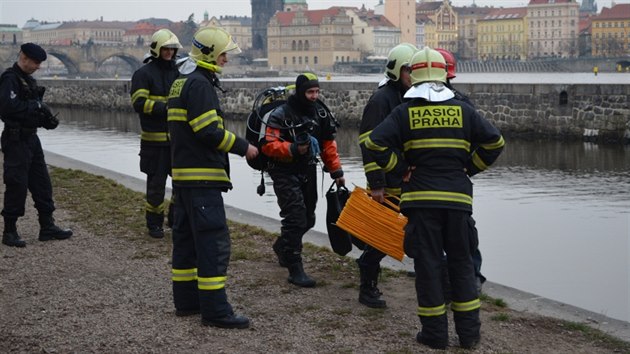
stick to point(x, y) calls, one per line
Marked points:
point(199, 140)
point(436, 138)
point(149, 94)
point(380, 104)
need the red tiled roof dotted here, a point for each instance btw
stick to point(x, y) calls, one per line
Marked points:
point(617, 12)
point(314, 16)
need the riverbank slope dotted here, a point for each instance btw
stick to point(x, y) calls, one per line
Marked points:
point(107, 289)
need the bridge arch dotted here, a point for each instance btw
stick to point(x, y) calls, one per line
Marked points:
point(132, 61)
point(71, 66)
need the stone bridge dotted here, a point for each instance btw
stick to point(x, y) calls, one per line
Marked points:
point(84, 60)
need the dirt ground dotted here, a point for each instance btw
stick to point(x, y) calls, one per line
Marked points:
point(107, 291)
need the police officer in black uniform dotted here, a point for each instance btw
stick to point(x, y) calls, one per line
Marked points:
point(23, 111)
point(436, 132)
point(149, 95)
point(200, 144)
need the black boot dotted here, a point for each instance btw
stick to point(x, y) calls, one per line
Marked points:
point(49, 231)
point(369, 295)
point(230, 321)
point(298, 277)
point(10, 237)
point(277, 248)
point(154, 224)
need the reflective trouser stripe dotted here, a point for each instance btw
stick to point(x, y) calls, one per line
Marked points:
point(212, 283)
point(154, 209)
point(466, 306)
point(184, 274)
point(432, 311)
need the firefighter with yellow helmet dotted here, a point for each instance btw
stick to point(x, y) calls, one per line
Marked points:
point(380, 180)
point(435, 132)
point(149, 92)
point(200, 144)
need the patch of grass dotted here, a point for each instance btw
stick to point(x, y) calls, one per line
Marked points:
point(501, 317)
point(596, 335)
point(372, 313)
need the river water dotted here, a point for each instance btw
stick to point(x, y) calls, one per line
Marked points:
point(553, 218)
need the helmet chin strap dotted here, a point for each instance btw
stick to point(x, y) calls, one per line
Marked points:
point(208, 66)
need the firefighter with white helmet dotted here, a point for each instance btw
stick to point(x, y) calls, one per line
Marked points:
point(200, 144)
point(149, 92)
point(381, 181)
point(435, 132)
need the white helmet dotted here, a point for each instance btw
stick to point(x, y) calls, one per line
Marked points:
point(428, 65)
point(398, 57)
point(163, 39)
point(210, 42)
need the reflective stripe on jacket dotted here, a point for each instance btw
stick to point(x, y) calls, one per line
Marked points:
point(199, 140)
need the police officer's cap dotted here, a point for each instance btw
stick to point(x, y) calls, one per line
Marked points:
point(33, 51)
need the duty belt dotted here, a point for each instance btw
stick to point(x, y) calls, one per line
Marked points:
point(21, 132)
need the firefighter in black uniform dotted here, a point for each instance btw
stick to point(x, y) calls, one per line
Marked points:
point(380, 181)
point(435, 133)
point(149, 95)
point(451, 68)
point(199, 149)
point(22, 112)
point(297, 133)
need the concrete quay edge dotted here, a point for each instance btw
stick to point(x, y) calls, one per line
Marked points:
point(516, 299)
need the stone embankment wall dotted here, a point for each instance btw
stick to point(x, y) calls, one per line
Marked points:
point(556, 111)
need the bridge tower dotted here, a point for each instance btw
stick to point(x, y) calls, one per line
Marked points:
point(262, 11)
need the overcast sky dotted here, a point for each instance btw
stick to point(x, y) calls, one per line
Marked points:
point(19, 11)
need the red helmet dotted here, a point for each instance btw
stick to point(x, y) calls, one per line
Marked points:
point(451, 63)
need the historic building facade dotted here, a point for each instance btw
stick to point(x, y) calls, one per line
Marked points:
point(610, 31)
point(311, 39)
point(442, 31)
point(502, 34)
point(553, 28)
point(467, 17)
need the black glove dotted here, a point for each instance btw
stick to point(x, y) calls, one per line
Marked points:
point(46, 119)
point(40, 92)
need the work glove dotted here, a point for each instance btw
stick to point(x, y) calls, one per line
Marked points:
point(46, 119)
point(315, 150)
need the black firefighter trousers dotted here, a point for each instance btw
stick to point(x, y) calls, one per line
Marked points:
point(201, 252)
point(155, 162)
point(429, 233)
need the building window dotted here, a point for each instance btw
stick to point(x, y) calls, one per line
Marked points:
point(293, 60)
point(293, 46)
point(284, 60)
point(315, 61)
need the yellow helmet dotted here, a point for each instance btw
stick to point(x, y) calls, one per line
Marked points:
point(210, 42)
point(398, 57)
point(428, 65)
point(163, 39)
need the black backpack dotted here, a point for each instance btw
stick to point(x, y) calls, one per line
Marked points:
point(265, 102)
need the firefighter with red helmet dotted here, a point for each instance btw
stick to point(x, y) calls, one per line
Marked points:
point(149, 95)
point(451, 69)
point(435, 132)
